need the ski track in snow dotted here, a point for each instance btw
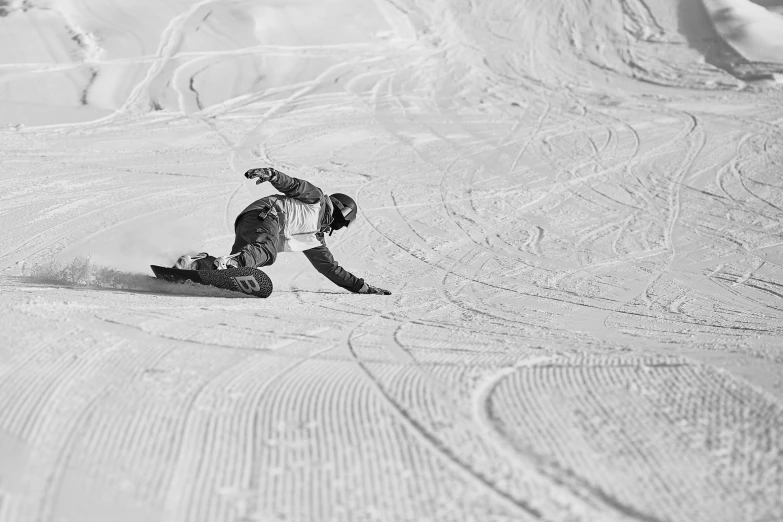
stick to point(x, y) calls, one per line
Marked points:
point(579, 209)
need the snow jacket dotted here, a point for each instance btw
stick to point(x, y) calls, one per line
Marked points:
point(304, 213)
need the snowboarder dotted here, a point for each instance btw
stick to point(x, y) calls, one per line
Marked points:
point(294, 221)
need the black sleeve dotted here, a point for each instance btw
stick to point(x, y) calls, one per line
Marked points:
point(324, 262)
point(297, 188)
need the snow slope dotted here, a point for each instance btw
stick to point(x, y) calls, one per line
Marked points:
point(577, 205)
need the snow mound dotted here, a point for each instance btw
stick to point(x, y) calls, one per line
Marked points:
point(754, 32)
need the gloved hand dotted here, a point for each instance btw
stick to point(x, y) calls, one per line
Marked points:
point(369, 289)
point(263, 174)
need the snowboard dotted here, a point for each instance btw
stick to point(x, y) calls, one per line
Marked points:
point(251, 281)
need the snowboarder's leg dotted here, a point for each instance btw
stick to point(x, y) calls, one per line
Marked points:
point(256, 240)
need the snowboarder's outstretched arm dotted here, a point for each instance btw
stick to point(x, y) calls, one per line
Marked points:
point(324, 262)
point(292, 187)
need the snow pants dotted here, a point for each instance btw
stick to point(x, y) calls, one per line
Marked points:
point(257, 239)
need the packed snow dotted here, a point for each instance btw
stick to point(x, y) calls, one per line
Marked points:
point(578, 207)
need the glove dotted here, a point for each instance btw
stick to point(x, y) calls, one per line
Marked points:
point(369, 289)
point(263, 174)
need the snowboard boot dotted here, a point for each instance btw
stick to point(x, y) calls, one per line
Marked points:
point(223, 262)
point(202, 261)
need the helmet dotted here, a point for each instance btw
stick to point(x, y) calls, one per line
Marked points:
point(345, 210)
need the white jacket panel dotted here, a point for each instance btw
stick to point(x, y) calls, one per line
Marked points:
point(300, 224)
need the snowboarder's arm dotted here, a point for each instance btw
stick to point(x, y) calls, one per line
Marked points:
point(292, 187)
point(296, 188)
point(324, 262)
